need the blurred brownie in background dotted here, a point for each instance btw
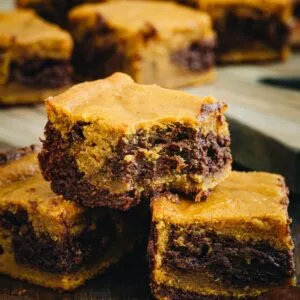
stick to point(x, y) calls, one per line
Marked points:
point(34, 58)
point(235, 245)
point(249, 31)
point(295, 38)
point(52, 242)
point(52, 10)
point(154, 42)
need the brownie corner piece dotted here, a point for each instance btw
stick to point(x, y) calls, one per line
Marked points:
point(236, 244)
point(49, 241)
point(113, 142)
point(34, 58)
point(172, 51)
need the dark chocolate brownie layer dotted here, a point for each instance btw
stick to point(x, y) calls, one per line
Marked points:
point(64, 256)
point(6, 157)
point(182, 148)
point(42, 73)
point(231, 261)
point(237, 33)
point(199, 56)
point(173, 293)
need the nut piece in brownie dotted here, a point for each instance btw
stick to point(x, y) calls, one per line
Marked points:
point(249, 31)
point(112, 142)
point(34, 58)
point(49, 241)
point(154, 42)
point(52, 10)
point(234, 245)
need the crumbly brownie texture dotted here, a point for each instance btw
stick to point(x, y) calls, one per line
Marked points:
point(53, 10)
point(112, 142)
point(50, 241)
point(34, 58)
point(237, 244)
point(249, 30)
point(172, 52)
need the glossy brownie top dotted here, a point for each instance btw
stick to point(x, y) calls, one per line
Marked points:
point(248, 205)
point(25, 34)
point(162, 17)
point(22, 188)
point(118, 101)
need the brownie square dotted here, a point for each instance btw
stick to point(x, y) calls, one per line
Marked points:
point(235, 245)
point(52, 10)
point(249, 31)
point(52, 242)
point(34, 58)
point(153, 42)
point(113, 142)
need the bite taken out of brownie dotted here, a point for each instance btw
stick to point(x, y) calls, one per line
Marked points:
point(52, 242)
point(113, 142)
point(154, 42)
point(235, 245)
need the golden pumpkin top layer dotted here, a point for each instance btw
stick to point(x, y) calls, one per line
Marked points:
point(22, 187)
point(118, 100)
point(23, 33)
point(134, 16)
point(242, 197)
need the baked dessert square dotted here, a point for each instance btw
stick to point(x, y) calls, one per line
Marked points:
point(34, 58)
point(52, 242)
point(235, 245)
point(295, 36)
point(249, 31)
point(154, 42)
point(52, 10)
point(112, 142)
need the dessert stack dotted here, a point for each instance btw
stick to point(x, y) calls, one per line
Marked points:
point(113, 146)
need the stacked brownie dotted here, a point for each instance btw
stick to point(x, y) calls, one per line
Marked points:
point(112, 145)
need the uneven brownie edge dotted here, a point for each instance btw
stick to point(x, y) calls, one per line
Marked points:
point(59, 257)
point(59, 167)
point(238, 33)
point(6, 157)
point(228, 260)
point(164, 291)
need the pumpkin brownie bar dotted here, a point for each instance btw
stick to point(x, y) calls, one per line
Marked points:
point(112, 142)
point(249, 30)
point(52, 10)
point(154, 42)
point(52, 242)
point(234, 245)
point(34, 58)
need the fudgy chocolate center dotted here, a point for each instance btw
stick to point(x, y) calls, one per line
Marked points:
point(233, 262)
point(182, 151)
point(239, 31)
point(42, 73)
point(198, 56)
point(64, 256)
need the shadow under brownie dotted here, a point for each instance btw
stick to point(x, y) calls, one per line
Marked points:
point(113, 142)
point(52, 242)
point(236, 244)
